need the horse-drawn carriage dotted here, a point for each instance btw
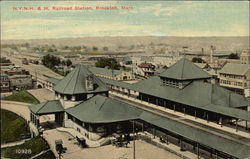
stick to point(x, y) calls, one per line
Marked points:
point(121, 140)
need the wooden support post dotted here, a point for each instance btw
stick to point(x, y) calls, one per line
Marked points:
point(181, 144)
point(207, 118)
point(221, 121)
point(246, 124)
point(142, 127)
point(236, 125)
point(31, 117)
point(197, 150)
point(154, 132)
point(134, 140)
point(195, 114)
point(38, 122)
point(34, 118)
point(184, 111)
point(174, 107)
point(167, 139)
point(164, 103)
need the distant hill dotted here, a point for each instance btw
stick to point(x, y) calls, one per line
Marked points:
point(194, 43)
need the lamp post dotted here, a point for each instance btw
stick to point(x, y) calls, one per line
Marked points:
point(133, 139)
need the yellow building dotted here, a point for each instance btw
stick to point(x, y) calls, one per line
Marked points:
point(236, 77)
point(118, 75)
point(245, 57)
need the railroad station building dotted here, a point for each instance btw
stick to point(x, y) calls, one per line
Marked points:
point(84, 103)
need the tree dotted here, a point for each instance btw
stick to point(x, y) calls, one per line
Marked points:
point(68, 62)
point(50, 50)
point(108, 62)
point(95, 48)
point(198, 60)
point(51, 61)
point(105, 48)
point(63, 62)
point(233, 56)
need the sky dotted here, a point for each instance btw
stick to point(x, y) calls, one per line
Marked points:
point(148, 18)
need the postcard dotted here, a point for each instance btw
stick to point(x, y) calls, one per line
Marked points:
point(125, 79)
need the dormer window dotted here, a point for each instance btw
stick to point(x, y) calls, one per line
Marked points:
point(89, 83)
point(174, 83)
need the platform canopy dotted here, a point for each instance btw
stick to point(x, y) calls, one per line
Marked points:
point(230, 146)
point(100, 109)
point(116, 83)
point(49, 107)
point(75, 82)
point(185, 70)
point(53, 80)
point(198, 94)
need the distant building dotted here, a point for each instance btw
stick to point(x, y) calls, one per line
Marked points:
point(4, 83)
point(160, 70)
point(127, 61)
point(13, 70)
point(21, 82)
point(18, 78)
point(213, 72)
point(245, 57)
point(145, 69)
point(112, 74)
point(51, 82)
point(203, 66)
point(236, 77)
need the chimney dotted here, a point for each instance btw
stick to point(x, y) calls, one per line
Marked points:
point(212, 53)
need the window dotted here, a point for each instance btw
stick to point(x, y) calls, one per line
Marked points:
point(68, 97)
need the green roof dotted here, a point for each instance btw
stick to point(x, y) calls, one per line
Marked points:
point(104, 71)
point(100, 109)
point(47, 107)
point(229, 146)
point(185, 70)
point(197, 94)
point(53, 80)
point(159, 71)
point(235, 69)
point(116, 83)
point(75, 82)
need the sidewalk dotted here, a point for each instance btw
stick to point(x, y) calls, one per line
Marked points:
point(42, 94)
point(14, 143)
point(170, 147)
point(75, 133)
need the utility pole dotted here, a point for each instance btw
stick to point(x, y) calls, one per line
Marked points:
point(36, 78)
point(211, 55)
point(133, 139)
